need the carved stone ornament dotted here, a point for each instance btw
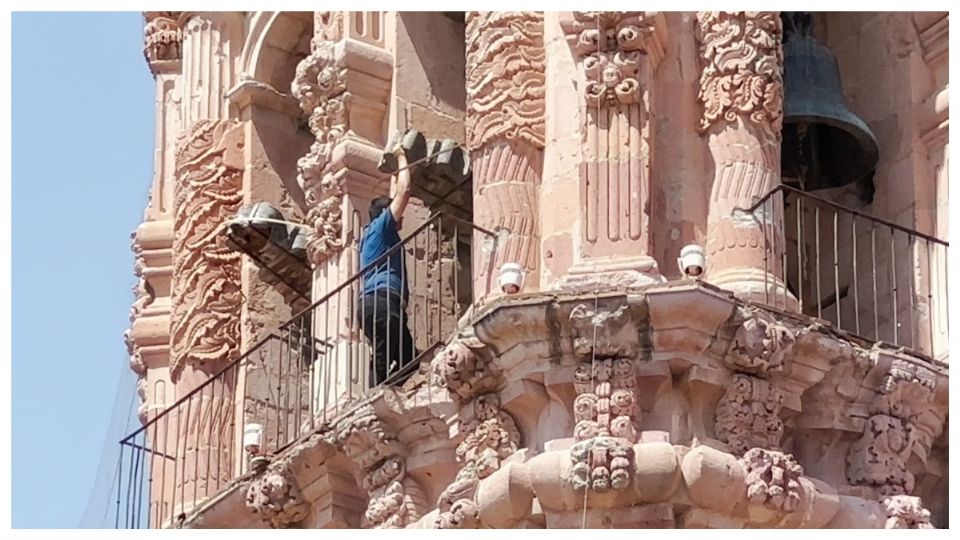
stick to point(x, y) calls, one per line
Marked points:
point(319, 86)
point(610, 46)
point(773, 479)
point(760, 345)
point(505, 77)
point(742, 79)
point(276, 496)
point(606, 412)
point(459, 368)
point(748, 415)
point(205, 326)
point(906, 512)
point(162, 37)
point(396, 500)
point(492, 436)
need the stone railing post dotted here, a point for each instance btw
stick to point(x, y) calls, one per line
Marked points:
point(741, 89)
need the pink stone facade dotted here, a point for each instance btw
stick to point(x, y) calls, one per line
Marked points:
point(801, 381)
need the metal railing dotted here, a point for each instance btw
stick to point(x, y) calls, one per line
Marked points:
point(300, 375)
point(867, 276)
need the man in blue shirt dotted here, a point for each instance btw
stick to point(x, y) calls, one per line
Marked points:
point(384, 294)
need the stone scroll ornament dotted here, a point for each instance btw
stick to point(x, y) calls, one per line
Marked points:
point(773, 479)
point(206, 273)
point(617, 54)
point(505, 131)
point(396, 499)
point(319, 86)
point(606, 412)
point(492, 436)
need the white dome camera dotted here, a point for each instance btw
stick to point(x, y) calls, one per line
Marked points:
point(692, 261)
point(252, 438)
point(511, 278)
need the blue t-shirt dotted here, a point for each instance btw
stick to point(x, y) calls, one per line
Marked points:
point(378, 237)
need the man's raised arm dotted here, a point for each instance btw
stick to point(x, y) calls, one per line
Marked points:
point(402, 196)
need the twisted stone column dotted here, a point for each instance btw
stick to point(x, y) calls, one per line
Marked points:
point(505, 135)
point(741, 88)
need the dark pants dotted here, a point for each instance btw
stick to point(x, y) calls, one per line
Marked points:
point(384, 323)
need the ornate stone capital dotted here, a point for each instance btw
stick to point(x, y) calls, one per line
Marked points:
point(162, 40)
point(276, 497)
point(742, 78)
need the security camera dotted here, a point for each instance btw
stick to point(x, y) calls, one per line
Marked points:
point(252, 438)
point(511, 278)
point(692, 261)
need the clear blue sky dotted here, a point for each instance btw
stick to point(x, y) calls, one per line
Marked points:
point(82, 162)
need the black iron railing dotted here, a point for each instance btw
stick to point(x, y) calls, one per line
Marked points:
point(867, 276)
point(299, 376)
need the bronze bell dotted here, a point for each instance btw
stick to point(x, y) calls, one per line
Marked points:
point(824, 144)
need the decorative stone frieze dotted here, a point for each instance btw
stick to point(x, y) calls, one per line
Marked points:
point(748, 414)
point(206, 272)
point(741, 89)
point(505, 134)
point(905, 512)
point(773, 479)
point(276, 497)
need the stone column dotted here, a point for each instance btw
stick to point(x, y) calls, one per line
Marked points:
point(505, 135)
point(344, 88)
point(617, 54)
point(741, 88)
point(206, 287)
point(148, 339)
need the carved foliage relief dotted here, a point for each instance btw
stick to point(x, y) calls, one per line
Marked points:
point(276, 496)
point(617, 52)
point(748, 414)
point(742, 77)
point(319, 86)
point(606, 412)
point(206, 273)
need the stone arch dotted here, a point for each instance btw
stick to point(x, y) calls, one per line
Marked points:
point(276, 41)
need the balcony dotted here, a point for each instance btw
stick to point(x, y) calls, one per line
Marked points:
point(298, 377)
point(863, 277)
point(867, 277)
